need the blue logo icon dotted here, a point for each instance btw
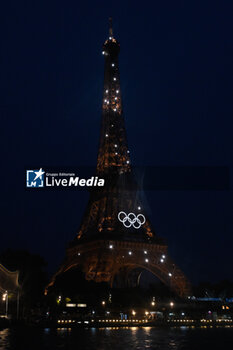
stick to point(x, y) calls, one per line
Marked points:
point(35, 178)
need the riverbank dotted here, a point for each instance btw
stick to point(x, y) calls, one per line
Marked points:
point(71, 324)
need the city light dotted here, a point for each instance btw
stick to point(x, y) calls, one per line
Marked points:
point(171, 304)
point(133, 313)
point(153, 303)
point(70, 305)
point(110, 246)
point(4, 296)
point(103, 302)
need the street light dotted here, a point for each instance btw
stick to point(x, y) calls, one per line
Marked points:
point(171, 304)
point(103, 303)
point(5, 298)
point(133, 313)
point(153, 303)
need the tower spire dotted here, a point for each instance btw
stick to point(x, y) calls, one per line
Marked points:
point(113, 155)
point(110, 27)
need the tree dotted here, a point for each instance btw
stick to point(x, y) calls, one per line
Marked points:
point(32, 277)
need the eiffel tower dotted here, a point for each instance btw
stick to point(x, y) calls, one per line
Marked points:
point(116, 240)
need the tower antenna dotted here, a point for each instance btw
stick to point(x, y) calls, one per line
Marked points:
point(110, 27)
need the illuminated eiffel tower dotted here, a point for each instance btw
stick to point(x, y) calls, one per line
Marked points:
point(116, 241)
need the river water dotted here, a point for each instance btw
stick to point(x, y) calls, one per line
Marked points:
point(32, 338)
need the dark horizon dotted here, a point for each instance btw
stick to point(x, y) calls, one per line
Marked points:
point(175, 67)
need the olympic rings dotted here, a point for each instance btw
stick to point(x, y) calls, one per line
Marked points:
point(131, 219)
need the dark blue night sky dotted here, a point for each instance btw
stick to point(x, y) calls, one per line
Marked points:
point(176, 78)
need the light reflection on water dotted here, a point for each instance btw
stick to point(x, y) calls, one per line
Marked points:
point(115, 338)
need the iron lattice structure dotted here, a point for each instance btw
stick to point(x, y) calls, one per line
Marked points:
point(104, 248)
